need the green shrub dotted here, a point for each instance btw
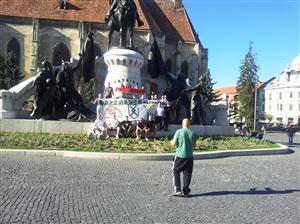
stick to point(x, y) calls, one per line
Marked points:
point(77, 142)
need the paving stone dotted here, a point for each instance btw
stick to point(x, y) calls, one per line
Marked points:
point(253, 189)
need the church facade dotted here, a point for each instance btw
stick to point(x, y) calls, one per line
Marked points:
point(55, 30)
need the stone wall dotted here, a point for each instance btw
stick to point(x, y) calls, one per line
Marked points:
point(68, 127)
point(21, 30)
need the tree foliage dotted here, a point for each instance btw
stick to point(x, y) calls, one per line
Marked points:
point(209, 88)
point(9, 72)
point(88, 94)
point(246, 86)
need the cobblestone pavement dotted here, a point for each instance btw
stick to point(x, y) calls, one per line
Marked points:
point(252, 189)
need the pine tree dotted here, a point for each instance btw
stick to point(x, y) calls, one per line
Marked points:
point(209, 90)
point(88, 94)
point(9, 72)
point(246, 86)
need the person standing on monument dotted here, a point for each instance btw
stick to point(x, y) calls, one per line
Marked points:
point(108, 91)
point(185, 141)
point(100, 105)
point(159, 115)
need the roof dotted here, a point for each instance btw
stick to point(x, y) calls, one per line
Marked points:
point(231, 92)
point(158, 15)
point(296, 63)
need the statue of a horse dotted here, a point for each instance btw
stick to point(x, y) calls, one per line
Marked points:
point(121, 17)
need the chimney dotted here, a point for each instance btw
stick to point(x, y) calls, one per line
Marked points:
point(177, 4)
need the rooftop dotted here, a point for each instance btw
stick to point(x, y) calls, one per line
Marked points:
point(160, 16)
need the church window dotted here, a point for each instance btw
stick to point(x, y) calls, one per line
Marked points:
point(14, 48)
point(185, 68)
point(169, 65)
point(291, 107)
point(299, 94)
point(61, 52)
point(291, 94)
point(280, 95)
point(270, 96)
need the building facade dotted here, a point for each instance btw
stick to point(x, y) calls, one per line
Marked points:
point(38, 30)
point(282, 95)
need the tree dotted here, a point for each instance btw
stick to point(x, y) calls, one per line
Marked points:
point(209, 90)
point(268, 117)
point(88, 94)
point(246, 86)
point(9, 72)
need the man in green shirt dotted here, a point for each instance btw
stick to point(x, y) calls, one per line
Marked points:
point(185, 141)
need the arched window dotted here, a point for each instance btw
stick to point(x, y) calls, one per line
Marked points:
point(169, 65)
point(184, 68)
point(98, 51)
point(14, 47)
point(61, 52)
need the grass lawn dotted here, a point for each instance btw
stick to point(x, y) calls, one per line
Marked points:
point(76, 142)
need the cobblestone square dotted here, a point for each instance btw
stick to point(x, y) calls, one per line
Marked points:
point(250, 189)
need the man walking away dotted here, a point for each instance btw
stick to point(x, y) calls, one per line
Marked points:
point(291, 133)
point(185, 141)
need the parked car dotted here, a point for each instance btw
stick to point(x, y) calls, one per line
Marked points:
point(276, 128)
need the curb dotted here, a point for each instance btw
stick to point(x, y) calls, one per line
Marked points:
point(149, 157)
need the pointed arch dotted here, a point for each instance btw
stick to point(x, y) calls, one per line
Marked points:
point(185, 68)
point(60, 52)
point(14, 47)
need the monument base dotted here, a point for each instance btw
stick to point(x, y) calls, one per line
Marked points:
point(68, 127)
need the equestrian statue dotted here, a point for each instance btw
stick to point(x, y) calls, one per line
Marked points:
point(121, 17)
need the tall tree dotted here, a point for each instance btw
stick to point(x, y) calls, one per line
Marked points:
point(246, 86)
point(9, 71)
point(208, 84)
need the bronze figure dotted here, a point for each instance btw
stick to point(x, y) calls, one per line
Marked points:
point(121, 17)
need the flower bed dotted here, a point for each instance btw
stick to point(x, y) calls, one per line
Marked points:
point(76, 142)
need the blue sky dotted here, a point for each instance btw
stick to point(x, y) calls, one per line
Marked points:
point(226, 27)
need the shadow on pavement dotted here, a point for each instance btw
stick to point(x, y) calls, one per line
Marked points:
point(267, 190)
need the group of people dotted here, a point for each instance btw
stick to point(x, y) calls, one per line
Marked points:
point(126, 128)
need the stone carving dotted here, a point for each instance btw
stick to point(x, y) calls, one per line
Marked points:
point(121, 17)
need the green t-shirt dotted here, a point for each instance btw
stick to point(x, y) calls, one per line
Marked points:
point(185, 140)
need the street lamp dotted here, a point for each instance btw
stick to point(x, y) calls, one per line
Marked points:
point(255, 102)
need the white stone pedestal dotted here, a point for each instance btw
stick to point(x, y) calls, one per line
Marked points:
point(123, 67)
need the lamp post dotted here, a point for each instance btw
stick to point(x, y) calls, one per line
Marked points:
point(255, 102)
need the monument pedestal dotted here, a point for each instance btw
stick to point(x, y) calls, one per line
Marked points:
point(123, 67)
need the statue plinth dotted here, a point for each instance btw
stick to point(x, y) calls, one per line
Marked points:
point(123, 67)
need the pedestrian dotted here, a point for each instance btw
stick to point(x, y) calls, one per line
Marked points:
point(185, 141)
point(291, 133)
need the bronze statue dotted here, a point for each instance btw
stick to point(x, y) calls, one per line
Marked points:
point(188, 101)
point(45, 87)
point(121, 17)
point(55, 94)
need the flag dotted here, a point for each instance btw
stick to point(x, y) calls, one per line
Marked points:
point(156, 65)
point(88, 58)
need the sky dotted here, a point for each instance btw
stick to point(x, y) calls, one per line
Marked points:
point(226, 28)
